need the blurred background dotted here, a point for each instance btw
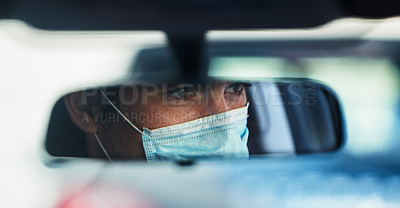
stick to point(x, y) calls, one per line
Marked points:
point(38, 67)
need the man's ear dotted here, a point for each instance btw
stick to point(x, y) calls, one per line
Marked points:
point(80, 112)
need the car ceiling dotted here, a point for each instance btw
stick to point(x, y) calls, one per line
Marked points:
point(188, 16)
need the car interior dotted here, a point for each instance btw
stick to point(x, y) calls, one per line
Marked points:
point(323, 100)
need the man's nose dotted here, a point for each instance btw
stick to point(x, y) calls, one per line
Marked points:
point(216, 103)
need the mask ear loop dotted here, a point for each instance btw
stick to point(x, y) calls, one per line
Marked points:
point(102, 147)
point(120, 113)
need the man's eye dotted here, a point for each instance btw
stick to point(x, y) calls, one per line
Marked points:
point(237, 88)
point(182, 93)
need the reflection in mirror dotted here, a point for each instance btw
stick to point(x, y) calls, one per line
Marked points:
point(186, 121)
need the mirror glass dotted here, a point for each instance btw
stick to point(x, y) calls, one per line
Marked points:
point(215, 119)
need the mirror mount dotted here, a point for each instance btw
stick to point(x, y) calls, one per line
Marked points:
point(188, 48)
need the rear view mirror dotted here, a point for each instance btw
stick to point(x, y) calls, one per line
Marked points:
point(196, 120)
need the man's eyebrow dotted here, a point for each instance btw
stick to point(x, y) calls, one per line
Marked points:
point(245, 83)
point(183, 85)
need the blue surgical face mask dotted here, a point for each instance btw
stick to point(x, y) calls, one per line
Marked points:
point(222, 135)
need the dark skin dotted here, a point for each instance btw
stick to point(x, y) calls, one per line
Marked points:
point(151, 107)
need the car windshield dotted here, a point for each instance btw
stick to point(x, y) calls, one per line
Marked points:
point(281, 94)
point(261, 103)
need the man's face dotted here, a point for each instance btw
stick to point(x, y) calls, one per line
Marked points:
point(164, 105)
point(156, 106)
